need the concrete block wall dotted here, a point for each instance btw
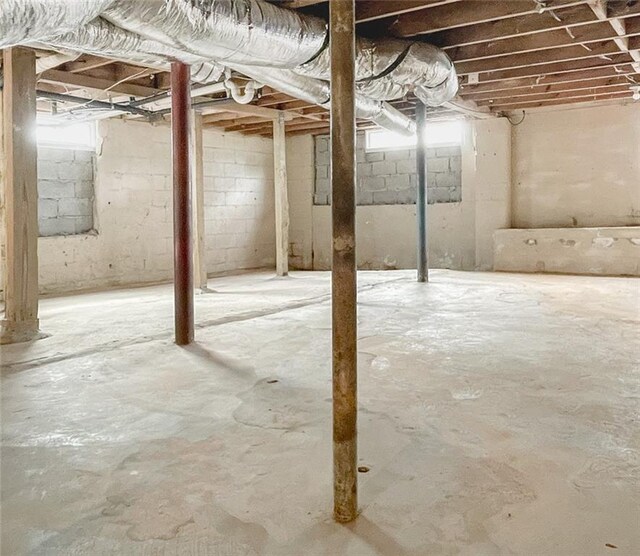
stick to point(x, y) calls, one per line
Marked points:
point(390, 177)
point(65, 191)
point(460, 233)
point(133, 210)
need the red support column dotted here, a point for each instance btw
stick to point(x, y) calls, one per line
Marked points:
point(182, 234)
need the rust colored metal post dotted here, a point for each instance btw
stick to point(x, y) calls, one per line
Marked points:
point(343, 274)
point(182, 234)
point(421, 197)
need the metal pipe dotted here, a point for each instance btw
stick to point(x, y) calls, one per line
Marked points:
point(343, 271)
point(421, 197)
point(88, 103)
point(182, 240)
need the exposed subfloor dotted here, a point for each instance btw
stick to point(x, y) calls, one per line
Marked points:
point(498, 415)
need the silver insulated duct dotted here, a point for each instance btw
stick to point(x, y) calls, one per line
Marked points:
point(279, 47)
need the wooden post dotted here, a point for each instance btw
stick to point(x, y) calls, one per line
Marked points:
point(182, 236)
point(197, 187)
point(20, 196)
point(281, 196)
point(343, 273)
point(421, 197)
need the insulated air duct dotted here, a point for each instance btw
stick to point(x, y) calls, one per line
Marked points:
point(275, 46)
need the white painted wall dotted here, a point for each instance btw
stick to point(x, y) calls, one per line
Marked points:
point(577, 167)
point(133, 210)
point(460, 234)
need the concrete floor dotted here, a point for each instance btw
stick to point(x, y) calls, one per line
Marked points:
point(498, 415)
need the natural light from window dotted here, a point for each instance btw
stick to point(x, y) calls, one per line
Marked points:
point(439, 134)
point(66, 135)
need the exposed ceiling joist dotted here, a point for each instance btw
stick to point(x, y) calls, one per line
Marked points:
point(468, 12)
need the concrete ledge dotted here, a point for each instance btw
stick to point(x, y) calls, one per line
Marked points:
point(595, 251)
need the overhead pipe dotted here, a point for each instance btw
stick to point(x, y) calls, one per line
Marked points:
point(250, 33)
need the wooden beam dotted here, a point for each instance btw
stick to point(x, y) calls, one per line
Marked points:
point(567, 18)
point(559, 38)
point(99, 84)
point(249, 109)
point(556, 100)
point(86, 63)
point(281, 196)
point(619, 26)
point(344, 290)
point(538, 58)
point(619, 60)
point(20, 322)
point(588, 74)
point(557, 88)
point(197, 190)
point(554, 95)
point(468, 12)
point(370, 10)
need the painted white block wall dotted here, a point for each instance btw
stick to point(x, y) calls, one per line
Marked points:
point(133, 210)
point(577, 167)
point(460, 234)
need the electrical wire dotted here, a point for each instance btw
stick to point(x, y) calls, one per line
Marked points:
point(524, 115)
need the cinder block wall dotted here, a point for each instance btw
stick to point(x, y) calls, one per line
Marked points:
point(133, 238)
point(390, 177)
point(65, 191)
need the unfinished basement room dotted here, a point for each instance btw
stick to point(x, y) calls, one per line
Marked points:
point(320, 277)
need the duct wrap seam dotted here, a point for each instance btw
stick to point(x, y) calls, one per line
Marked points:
point(275, 46)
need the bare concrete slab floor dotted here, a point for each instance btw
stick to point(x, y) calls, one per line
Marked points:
point(498, 415)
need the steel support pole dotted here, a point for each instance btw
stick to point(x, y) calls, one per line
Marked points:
point(343, 274)
point(421, 197)
point(182, 235)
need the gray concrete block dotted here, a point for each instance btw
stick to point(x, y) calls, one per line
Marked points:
point(406, 166)
point(84, 224)
point(55, 189)
point(322, 172)
point(374, 156)
point(383, 168)
point(74, 207)
point(455, 163)
point(364, 198)
point(84, 189)
point(449, 179)
point(322, 144)
point(47, 208)
point(47, 169)
point(438, 165)
point(75, 171)
point(373, 183)
point(323, 158)
point(397, 155)
point(397, 182)
point(323, 186)
point(57, 226)
point(385, 198)
point(438, 195)
point(406, 197)
point(320, 199)
point(364, 170)
point(448, 151)
point(84, 156)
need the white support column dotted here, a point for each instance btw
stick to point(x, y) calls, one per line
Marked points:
point(282, 199)
point(197, 184)
point(20, 184)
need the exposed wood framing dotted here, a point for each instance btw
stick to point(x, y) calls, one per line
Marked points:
point(197, 189)
point(20, 179)
point(281, 196)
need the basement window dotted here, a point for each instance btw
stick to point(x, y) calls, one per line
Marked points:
point(53, 133)
point(439, 134)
